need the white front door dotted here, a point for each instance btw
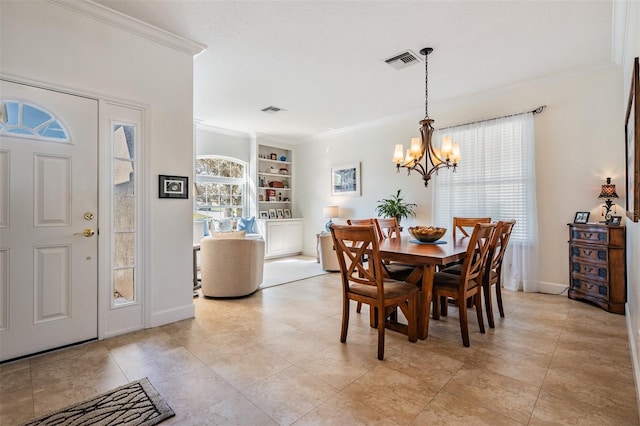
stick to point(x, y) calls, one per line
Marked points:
point(48, 219)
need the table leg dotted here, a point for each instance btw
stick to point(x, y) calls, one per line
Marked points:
point(424, 307)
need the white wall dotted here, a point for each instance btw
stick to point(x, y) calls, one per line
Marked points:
point(48, 43)
point(631, 51)
point(579, 138)
point(212, 141)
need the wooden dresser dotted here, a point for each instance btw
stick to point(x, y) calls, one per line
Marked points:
point(597, 265)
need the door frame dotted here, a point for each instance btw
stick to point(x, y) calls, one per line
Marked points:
point(105, 329)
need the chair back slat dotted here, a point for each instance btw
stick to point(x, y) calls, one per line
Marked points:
point(476, 256)
point(352, 268)
point(387, 227)
point(499, 244)
point(461, 224)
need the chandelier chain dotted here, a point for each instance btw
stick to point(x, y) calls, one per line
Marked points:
point(426, 86)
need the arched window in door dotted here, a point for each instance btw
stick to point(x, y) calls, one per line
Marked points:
point(23, 119)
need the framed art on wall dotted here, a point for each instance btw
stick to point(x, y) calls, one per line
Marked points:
point(173, 186)
point(345, 179)
point(632, 147)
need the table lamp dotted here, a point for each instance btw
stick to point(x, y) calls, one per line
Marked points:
point(330, 212)
point(608, 192)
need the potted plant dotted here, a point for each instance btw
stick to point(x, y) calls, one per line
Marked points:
point(395, 207)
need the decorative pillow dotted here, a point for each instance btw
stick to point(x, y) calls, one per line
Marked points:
point(226, 225)
point(246, 224)
point(229, 235)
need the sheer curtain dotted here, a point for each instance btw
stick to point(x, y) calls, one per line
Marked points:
point(496, 178)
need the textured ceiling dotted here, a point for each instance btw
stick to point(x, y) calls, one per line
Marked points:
point(322, 61)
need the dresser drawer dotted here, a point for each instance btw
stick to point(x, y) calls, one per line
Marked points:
point(590, 288)
point(590, 253)
point(594, 235)
point(590, 271)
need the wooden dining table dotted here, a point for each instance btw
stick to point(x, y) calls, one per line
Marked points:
point(426, 257)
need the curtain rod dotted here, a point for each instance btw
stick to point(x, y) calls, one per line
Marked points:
point(534, 111)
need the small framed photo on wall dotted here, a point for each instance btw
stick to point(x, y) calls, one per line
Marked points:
point(581, 217)
point(173, 186)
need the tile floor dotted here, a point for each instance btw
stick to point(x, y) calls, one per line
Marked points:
point(275, 358)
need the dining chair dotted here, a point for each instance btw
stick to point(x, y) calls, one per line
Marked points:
point(387, 227)
point(462, 224)
point(493, 268)
point(368, 284)
point(393, 270)
point(469, 283)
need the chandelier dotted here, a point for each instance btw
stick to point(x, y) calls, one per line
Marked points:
point(447, 155)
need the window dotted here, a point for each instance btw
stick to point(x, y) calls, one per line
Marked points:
point(220, 187)
point(26, 120)
point(495, 178)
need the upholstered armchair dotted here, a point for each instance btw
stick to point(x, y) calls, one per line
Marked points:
point(231, 267)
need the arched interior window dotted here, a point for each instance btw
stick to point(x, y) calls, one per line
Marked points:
point(220, 188)
point(30, 121)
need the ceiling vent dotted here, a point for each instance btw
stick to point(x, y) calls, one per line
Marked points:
point(403, 60)
point(272, 109)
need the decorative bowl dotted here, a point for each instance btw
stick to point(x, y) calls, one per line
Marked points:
point(427, 234)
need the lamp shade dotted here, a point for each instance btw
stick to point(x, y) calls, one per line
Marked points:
point(330, 211)
point(608, 190)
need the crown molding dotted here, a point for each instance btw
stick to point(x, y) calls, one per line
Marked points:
point(132, 25)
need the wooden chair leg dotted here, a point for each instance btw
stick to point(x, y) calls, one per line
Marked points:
point(381, 319)
point(486, 288)
point(436, 310)
point(478, 303)
point(499, 298)
point(444, 306)
point(464, 325)
point(359, 307)
point(345, 320)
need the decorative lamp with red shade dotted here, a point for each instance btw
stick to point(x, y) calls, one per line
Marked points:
point(608, 192)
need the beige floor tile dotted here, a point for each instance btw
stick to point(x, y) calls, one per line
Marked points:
point(245, 369)
point(342, 410)
point(235, 410)
point(552, 409)
point(275, 358)
point(396, 395)
point(510, 397)
point(289, 394)
point(446, 409)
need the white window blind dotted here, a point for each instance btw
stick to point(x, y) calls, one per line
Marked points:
point(495, 178)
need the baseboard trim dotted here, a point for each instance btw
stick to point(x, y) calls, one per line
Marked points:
point(634, 353)
point(552, 288)
point(173, 315)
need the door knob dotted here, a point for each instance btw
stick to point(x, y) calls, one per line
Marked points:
point(88, 232)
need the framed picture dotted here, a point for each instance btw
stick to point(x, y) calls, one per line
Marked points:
point(287, 214)
point(632, 147)
point(615, 220)
point(280, 213)
point(272, 213)
point(173, 186)
point(345, 179)
point(264, 214)
point(274, 156)
point(581, 217)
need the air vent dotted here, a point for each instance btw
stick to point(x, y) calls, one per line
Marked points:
point(272, 109)
point(403, 60)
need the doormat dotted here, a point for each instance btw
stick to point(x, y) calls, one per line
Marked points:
point(136, 403)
